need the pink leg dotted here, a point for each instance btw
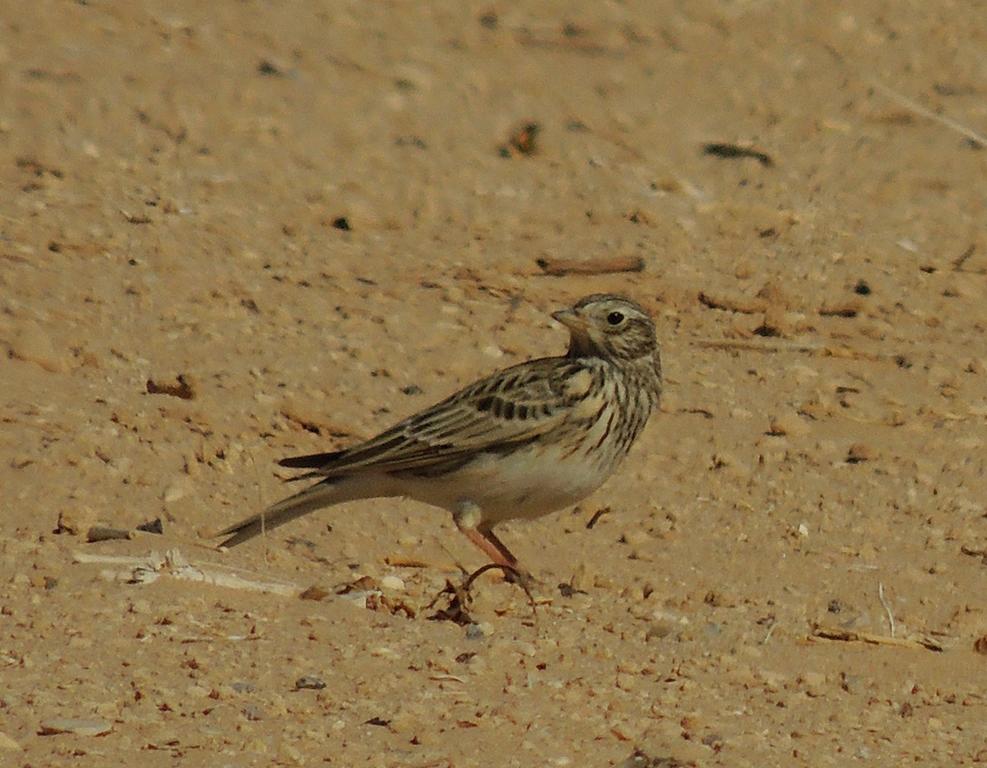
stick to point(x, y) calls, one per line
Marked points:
point(491, 547)
point(500, 546)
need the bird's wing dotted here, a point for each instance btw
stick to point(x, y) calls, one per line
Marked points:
point(511, 407)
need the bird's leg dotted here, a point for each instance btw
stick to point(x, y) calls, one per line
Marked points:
point(500, 546)
point(499, 557)
point(468, 521)
point(516, 574)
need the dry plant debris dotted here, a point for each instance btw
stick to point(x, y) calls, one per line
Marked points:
point(181, 387)
point(836, 634)
point(555, 267)
point(731, 151)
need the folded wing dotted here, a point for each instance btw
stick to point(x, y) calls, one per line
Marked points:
point(513, 406)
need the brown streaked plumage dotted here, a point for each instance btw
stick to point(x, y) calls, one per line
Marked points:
point(521, 443)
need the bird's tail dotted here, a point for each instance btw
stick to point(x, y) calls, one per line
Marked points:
point(317, 496)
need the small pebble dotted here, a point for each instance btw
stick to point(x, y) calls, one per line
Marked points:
point(634, 536)
point(253, 712)
point(479, 631)
point(76, 521)
point(241, 686)
point(659, 630)
point(859, 452)
point(383, 652)
point(152, 526)
point(176, 490)
point(788, 424)
point(309, 682)
point(393, 583)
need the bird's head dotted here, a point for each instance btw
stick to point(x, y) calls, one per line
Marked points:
point(609, 326)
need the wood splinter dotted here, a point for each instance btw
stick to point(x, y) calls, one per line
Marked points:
point(602, 266)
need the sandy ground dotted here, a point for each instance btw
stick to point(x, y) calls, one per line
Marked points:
point(178, 179)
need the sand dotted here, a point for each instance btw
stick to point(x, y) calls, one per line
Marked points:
point(302, 222)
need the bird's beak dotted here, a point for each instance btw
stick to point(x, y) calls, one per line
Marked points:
point(570, 319)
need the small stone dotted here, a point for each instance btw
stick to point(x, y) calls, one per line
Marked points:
point(175, 490)
point(393, 583)
point(241, 686)
point(383, 652)
point(75, 521)
point(190, 464)
point(77, 726)
point(858, 453)
point(309, 683)
point(634, 537)
point(723, 459)
point(479, 631)
point(980, 646)
point(659, 630)
point(788, 424)
point(315, 592)
point(253, 712)
point(152, 526)
point(775, 323)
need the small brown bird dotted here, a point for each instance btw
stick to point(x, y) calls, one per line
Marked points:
point(526, 441)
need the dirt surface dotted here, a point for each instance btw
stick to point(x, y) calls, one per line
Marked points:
point(301, 222)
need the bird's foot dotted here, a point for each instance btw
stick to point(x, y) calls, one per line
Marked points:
point(461, 599)
point(512, 574)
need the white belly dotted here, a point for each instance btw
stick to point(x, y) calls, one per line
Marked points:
point(512, 486)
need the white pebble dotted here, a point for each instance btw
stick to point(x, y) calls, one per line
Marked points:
point(393, 583)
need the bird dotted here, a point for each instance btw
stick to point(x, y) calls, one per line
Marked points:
point(521, 443)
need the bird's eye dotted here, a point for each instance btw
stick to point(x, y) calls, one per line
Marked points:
point(615, 318)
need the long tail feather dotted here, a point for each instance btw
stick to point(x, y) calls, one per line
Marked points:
point(320, 495)
point(310, 461)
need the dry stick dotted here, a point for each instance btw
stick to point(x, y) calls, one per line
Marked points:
point(959, 262)
point(771, 631)
point(918, 109)
point(887, 608)
point(602, 266)
point(143, 570)
point(102, 533)
point(809, 348)
point(851, 636)
point(260, 504)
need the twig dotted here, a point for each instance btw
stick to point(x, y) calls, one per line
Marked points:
point(771, 631)
point(887, 608)
point(732, 304)
point(102, 533)
point(805, 347)
point(978, 139)
point(147, 569)
point(961, 260)
point(401, 561)
point(722, 149)
point(601, 266)
point(850, 636)
point(596, 517)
